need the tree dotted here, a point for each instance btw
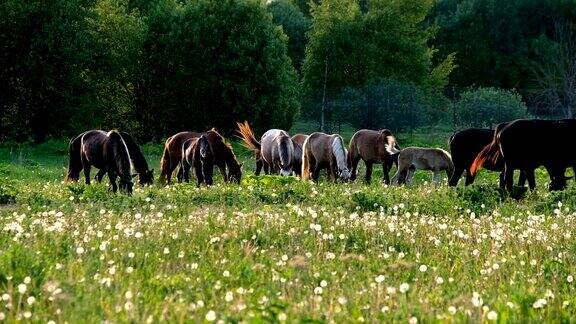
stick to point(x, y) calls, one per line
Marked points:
point(556, 72)
point(295, 24)
point(349, 47)
point(211, 63)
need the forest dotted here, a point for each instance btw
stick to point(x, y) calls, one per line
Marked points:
point(155, 67)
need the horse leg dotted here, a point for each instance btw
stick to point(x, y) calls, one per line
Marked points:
point(112, 176)
point(522, 179)
point(259, 164)
point(354, 167)
point(531, 179)
point(453, 182)
point(436, 177)
point(86, 165)
point(266, 168)
point(502, 180)
point(199, 173)
point(469, 178)
point(386, 172)
point(368, 171)
point(509, 177)
point(222, 168)
point(316, 173)
point(410, 175)
point(98, 177)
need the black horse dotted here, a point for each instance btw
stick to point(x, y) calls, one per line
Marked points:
point(145, 175)
point(105, 151)
point(197, 152)
point(465, 145)
point(526, 145)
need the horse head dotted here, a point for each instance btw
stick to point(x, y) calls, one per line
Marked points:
point(146, 178)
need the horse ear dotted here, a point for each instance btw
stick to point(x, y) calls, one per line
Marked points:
point(135, 175)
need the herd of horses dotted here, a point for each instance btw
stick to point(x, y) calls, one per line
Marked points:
point(524, 145)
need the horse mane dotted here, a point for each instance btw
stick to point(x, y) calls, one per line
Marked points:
point(204, 146)
point(224, 147)
point(121, 154)
point(445, 152)
point(136, 156)
point(284, 146)
point(339, 151)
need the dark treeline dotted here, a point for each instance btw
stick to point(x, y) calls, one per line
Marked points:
point(155, 67)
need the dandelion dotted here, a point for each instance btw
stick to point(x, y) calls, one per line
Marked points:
point(226, 273)
point(380, 278)
point(30, 301)
point(477, 300)
point(22, 288)
point(2, 316)
point(229, 296)
point(27, 280)
point(540, 303)
point(211, 316)
point(27, 314)
point(282, 317)
point(452, 310)
point(413, 320)
point(492, 316)
point(318, 290)
point(423, 268)
point(342, 300)
point(404, 288)
point(5, 297)
point(439, 280)
point(323, 283)
point(570, 279)
point(128, 294)
point(79, 250)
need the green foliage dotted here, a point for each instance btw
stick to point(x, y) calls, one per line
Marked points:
point(383, 104)
point(351, 45)
point(7, 194)
point(294, 24)
point(486, 107)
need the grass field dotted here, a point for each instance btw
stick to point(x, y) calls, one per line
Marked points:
point(275, 249)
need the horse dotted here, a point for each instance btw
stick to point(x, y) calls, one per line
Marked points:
point(298, 141)
point(105, 151)
point(197, 152)
point(323, 151)
point(465, 145)
point(370, 147)
point(145, 175)
point(274, 151)
point(224, 157)
point(411, 159)
point(526, 144)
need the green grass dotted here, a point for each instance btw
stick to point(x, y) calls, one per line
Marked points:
point(275, 249)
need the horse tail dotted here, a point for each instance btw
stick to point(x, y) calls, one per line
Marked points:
point(490, 151)
point(339, 151)
point(247, 136)
point(204, 146)
point(165, 161)
point(75, 159)
point(305, 174)
point(122, 154)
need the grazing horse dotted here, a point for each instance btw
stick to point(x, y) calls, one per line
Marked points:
point(371, 147)
point(411, 159)
point(105, 151)
point(465, 146)
point(274, 151)
point(323, 151)
point(197, 152)
point(145, 176)
point(527, 144)
point(223, 155)
point(298, 141)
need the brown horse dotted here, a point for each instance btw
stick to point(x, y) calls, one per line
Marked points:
point(145, 176)
point(274, 151)
point(371, 147)
point(323, 151)
point(412, 158)
point(298, 141)
point(198, 153)
point(223, 155)
point(105, 151)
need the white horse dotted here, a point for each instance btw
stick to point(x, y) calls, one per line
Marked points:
point(411, 159)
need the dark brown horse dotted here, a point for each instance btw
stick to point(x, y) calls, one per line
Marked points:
point(274, 151)
point(197, 152)
point(105, 151)
point(527, 144)
point(298, 141)
point(371, 147)
point(323, 151)
point(223, 155)
point(145, 176)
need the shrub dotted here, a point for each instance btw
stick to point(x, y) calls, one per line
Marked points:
point(485, 107)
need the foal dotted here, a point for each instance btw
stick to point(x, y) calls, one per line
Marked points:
point(412, 158)
point(197, 152)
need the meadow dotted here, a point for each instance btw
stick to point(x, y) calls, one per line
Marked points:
point(278, 249)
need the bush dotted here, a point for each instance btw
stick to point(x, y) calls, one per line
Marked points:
point(485, 107)
point(384, 103)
